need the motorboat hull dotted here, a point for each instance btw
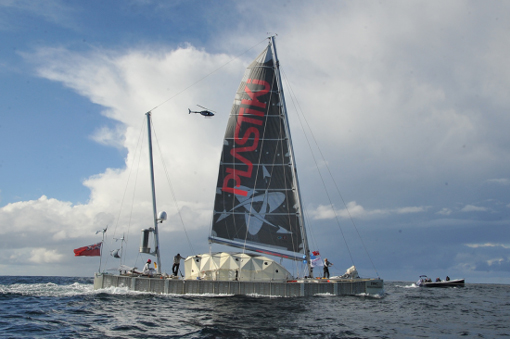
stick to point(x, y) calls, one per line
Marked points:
point(449, 283)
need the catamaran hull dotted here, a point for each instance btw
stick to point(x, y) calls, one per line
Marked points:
point(299, 288)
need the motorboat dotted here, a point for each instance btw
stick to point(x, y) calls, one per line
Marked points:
point(425, 281)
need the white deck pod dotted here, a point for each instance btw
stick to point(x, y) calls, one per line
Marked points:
point(234, 266)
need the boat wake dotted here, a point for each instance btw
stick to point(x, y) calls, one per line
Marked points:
point(47, 289)
point(413, 285)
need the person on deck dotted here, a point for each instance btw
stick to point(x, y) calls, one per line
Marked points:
point(177, 263)
point(327, 264)
point(147, 268)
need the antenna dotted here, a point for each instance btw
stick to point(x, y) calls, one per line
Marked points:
point(102, 242)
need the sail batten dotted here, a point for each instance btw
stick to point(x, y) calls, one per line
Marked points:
point(257, 203)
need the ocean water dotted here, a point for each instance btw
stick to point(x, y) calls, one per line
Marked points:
point(67, 307)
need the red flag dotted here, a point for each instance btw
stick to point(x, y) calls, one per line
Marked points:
point(89, 251)
point(315, 252)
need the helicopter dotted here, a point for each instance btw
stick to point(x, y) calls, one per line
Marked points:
point(206, 112)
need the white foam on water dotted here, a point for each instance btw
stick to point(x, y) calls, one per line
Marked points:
point(48, 289)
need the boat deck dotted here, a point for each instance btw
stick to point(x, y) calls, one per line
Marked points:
point(294, 288)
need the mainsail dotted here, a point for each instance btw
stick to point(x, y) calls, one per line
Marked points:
point(257, 205)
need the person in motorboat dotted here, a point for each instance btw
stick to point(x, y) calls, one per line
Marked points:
point(447, 278)
point(438, 280)
point(327, 264)
point(177, 263)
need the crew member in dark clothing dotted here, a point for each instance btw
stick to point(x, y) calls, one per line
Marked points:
point(177, 263)
point(326, 268)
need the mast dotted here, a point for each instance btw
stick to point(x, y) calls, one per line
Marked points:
point(156, 238)
point(306, 250)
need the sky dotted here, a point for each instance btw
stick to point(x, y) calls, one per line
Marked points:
point(406, 100)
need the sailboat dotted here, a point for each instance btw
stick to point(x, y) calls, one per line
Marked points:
point(257, 208)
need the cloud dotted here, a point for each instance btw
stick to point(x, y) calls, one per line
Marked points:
point(413, 209)
point(43, 217)
point(489, 257)
point(127, 85)
point(357, 211)
point(326, 212)
point(110, 137)
point(445, 211)
point(44, 256)
point(491, 245)
point(473, 208)
point(494, 265)
point(402, 102)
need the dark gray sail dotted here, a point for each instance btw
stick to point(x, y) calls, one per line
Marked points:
point(257, 203)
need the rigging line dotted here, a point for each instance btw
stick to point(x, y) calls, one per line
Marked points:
point(206, 76)
point(222, 173)
point(281, 141)
point(316, 164)
point(352, 220)
point(346, 207)
point(284, 122)
point(338, 190)
point(280, 145)
point(310, 229)
point(172, 190)
point(139, 148)
point(122, 201)
point(306, 218)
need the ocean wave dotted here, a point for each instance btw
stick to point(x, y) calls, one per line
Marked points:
point(47, 289)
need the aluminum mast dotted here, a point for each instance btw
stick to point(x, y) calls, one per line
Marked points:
point(156, 238)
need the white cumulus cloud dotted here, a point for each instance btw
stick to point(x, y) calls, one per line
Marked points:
point(44, 256)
